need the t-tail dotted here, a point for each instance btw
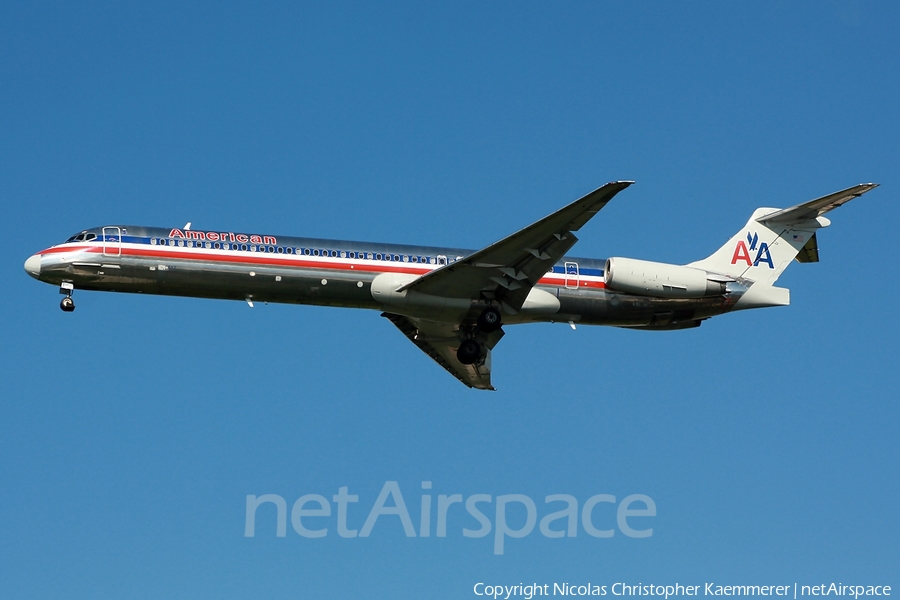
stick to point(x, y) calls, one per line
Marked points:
point(760, 252)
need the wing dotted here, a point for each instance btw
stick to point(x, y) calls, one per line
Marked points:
point(440, 341)
point(507, 270)
point(504, 272)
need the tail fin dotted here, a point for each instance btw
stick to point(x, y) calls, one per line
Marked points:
point(772, 238)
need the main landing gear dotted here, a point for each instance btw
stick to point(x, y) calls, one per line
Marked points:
point(469, 351)
point(67, 304)
point(489, 320)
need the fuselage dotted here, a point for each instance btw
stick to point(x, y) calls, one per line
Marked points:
point(294, 270)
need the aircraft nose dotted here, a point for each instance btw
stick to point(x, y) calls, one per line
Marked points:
point(33, 266)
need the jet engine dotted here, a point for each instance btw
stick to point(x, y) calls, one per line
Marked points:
point(662, 280)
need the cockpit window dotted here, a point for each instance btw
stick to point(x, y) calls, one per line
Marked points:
point(84, 236)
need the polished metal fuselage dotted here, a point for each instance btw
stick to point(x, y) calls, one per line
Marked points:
point(329, 273)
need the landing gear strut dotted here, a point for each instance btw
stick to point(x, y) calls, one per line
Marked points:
point(67, 304)
point(469, 351)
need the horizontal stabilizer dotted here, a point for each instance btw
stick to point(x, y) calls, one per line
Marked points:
point(816, 208)
point(809, 253)
point(772, 238)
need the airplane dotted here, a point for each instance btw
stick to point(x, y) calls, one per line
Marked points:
point(452, 303)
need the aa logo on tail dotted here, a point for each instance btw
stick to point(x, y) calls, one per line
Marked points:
point(742, 252)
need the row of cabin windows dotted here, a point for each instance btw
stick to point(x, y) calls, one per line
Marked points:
point(411, 258)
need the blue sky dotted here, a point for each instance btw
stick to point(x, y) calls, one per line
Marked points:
point(132, 430)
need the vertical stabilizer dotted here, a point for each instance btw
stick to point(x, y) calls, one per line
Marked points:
point(759, 251)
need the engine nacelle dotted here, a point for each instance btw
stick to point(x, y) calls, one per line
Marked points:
point(662, 280)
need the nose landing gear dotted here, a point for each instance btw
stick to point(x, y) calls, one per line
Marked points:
point(67, 304)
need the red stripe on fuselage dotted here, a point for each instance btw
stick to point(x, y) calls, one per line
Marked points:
point(269, 260)
point(59, 249)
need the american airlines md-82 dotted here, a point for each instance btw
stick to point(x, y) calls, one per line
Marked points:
point(452, 303)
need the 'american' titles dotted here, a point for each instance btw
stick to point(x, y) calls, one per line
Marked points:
point(214, 236)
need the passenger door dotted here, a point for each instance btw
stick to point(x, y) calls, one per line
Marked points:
point(112, 241)
point(572, 275)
